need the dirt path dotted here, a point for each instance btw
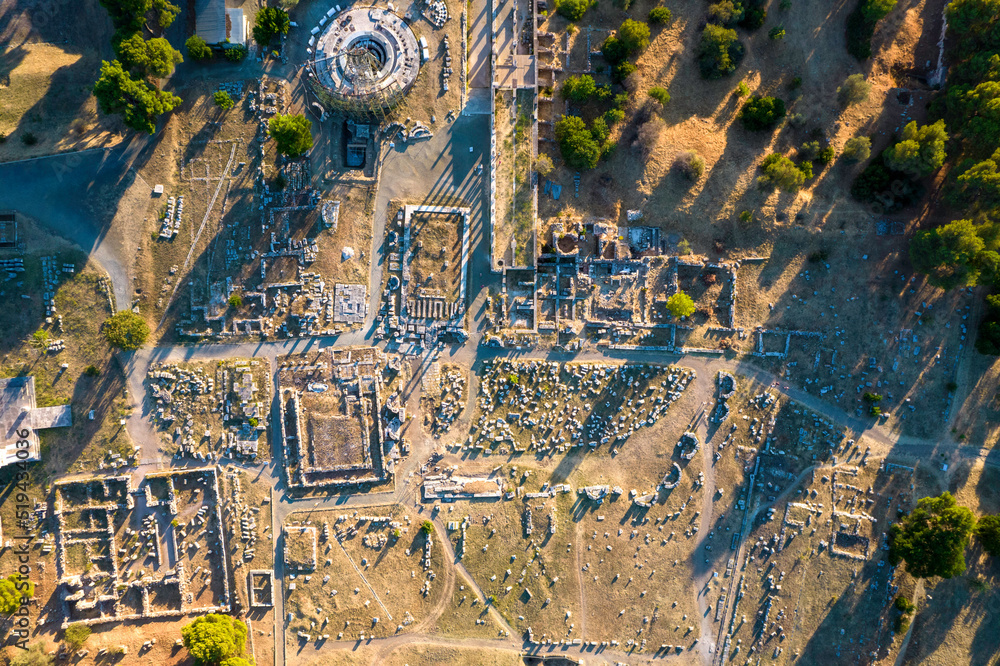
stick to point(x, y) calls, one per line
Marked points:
point(577, 546)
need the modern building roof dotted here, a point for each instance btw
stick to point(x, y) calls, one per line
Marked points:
point(20, 419)
point(210, 20)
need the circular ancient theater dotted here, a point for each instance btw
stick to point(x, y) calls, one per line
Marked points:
point(364, 61)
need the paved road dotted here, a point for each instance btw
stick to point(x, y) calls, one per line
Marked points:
point(64, 192)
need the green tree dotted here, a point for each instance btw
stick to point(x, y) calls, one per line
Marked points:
point(166, 12)
point(947, 254)
point(762, 113)
point(126, 330)
point(573, 10)
point(725, 12)
point(154, 57)
point(659, 16)
point(427, 527)
point(197, 48)
point(292, 133)
point(680, 305)
point(853, 90)
point(579, 88)
point(76, 635)
point(576, 143)
point(932, 539)
point(613, 49)
point(659, 94)
point(236, 661)
point(988, 533)
point(981, 182)
point(781, 172)
point(236, 301)
point(223, 100)
point(972, 24)
point(777, 32)
point(13, 591)
point(271, 22)
point(127, 15)
point(857, 148)
point(138, 103)
point(719, 51)
point(920, 150)
point(214, 638)
point(876, 10)
point(980, 107)
point(634, 36)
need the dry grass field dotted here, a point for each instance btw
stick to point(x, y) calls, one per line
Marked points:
point(358, 578)
point(50, 56)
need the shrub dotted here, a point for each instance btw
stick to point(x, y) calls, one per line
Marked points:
point(543, 164)
point(742, 90)
point(620, 101)
point(427, 527)
point(613, 116)
point(126, 330)
point(826, 155)
point(92, 371)
point(579, 88)
point(659, 94)
point(725, 12)
point(719, 52)
point(599, 130)
point(236, 53)
point(622, 71)
point(904, 605)
point(809, 150)
point(691, 165)
point(648, 135)
point(236, 301)
point(76, 635)
point(754, 14)
point(573, 10)
point(660, 16)
point(29, 139)
point(857, 149)
point(781, 172)
point(223, 100)
point(854, 90)
point(795, 83)
point(762, 113)
point(197, 48)
point(777, 32)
